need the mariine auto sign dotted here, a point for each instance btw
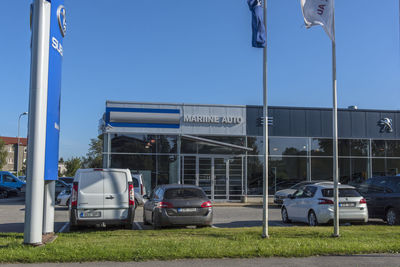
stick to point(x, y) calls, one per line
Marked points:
point(212, 119)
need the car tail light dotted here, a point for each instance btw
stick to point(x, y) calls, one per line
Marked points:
point(131, 193)
point(206, 204)
point(74, 195)
point(324, 201)
point(363, 201)
point(164, 205)
point(141, 189)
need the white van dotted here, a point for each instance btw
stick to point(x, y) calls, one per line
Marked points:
point(102, 196)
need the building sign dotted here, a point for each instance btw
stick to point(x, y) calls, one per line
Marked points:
point(213, 119)
point(386, 125)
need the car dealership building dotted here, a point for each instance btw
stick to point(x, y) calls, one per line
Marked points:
point(219, 147)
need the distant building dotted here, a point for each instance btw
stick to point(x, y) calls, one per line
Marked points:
point(11, 148)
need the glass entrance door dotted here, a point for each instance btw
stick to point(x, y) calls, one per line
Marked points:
point(220, 177)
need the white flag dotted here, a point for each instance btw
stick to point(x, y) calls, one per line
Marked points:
point(319, 12)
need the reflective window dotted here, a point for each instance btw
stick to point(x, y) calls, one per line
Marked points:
point(167, 144)
point(378, 148)
point(392, 148)
point(359, 147)
point(321, 147)
point(286, 172)
point(344, 147)
point(137, 143)
point(321, 169)
point(287, 146)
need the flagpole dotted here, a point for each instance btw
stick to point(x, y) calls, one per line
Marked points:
point(265, 133)
point(335, 135)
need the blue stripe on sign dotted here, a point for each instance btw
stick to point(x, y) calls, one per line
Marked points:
point(143, 125)
point(148, 110)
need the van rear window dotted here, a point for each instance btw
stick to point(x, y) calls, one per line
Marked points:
point(343, 192)
point(179, 193)
point(135, 182)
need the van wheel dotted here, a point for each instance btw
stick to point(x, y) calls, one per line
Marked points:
point(312, 219)
point(392, 217)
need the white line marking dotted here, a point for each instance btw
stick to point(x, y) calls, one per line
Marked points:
point(138, 226)
point(63, 228)
point(213, 226)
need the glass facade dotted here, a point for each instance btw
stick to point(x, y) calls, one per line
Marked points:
point(226, 170)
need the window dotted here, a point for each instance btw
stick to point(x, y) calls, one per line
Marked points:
point(8, 179)
point(10, 149)
point(343, 192)
point(321, 147)
point(10, 161)
point(184, 193)
point(287, 146)
point(393, 185)
point(309, 191)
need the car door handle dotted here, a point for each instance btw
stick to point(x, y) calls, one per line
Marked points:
point(110, 197)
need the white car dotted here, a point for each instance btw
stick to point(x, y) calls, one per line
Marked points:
point(314, 205)
point(282, 194)
point(64, 197)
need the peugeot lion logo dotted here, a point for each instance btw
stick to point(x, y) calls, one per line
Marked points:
point(62, 22)
point(386, 125)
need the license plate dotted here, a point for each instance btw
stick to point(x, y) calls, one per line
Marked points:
point(90, 214)
point(347, 204)
point(187, 210)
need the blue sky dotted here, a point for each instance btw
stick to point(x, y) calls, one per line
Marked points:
point(200, 52)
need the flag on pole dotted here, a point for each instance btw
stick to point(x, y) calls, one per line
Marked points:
point(257, 23)
point(319, 12)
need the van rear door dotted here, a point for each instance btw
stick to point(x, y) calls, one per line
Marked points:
point(90, 196)
point(116, 198)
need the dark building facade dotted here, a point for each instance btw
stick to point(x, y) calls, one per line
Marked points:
point(219, 147)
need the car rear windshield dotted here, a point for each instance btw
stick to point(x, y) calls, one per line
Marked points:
point(179, 193)
point(343, 192)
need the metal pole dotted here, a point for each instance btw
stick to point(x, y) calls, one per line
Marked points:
point(265, 133)
point(19, 119)
point(48, 207)
point(37, 122)
point(335, 137)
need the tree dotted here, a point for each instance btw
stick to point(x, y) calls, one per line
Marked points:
point(3, 154)
point(94, 157)
point(72, 165)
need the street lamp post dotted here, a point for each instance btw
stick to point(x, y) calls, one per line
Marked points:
point(19, 118)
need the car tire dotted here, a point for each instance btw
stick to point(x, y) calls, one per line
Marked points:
point(145, 222)
point(285, 215)
point(312, 219)
point(156, 224)
point(392, 217)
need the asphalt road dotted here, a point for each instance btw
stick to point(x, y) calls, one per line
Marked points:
point(386, 260)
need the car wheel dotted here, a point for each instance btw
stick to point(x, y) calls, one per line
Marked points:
point(312, 219)
point(285, 215)
point(392, 217)
point(156, 224)
point(145, 222)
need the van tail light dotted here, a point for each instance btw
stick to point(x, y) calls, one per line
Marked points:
point(141, 189)
point(206, 204)
point(363, 201)
point(165, 205)
point(324, 201)
point(74, 195)
point(131, 193)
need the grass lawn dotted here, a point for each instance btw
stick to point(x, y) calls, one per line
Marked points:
point(127, 245)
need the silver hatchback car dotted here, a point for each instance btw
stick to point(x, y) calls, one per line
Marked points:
point(314, 205)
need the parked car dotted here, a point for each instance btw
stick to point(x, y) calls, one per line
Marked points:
point(282, 194)
point(175, 204)
point(64, 197)
point(8, 179)
point(383, 198)
point(314, 205)
point(102, 196)
point(61, 186)
point(67, 180)
point(6, 191)
point(137, 179)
